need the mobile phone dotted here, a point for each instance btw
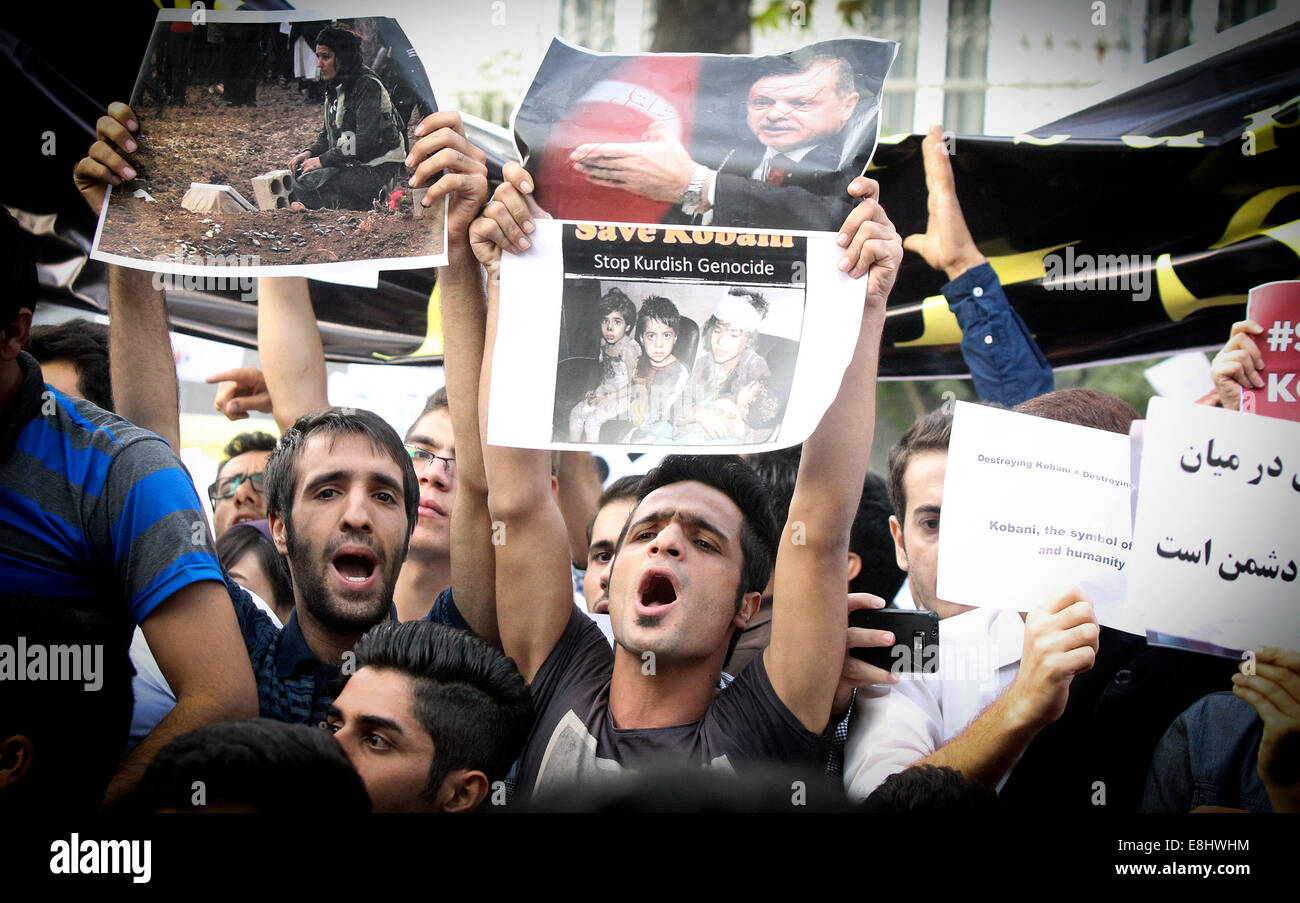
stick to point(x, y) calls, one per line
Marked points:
point(916, 639)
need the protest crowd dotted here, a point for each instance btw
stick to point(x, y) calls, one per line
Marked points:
point(422, 621)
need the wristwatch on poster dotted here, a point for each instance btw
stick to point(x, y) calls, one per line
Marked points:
point(694, 193)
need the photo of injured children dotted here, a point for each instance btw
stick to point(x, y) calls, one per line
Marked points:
point(653, 375)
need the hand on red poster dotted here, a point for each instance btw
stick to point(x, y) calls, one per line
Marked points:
point(1237, 366)
point(105, 163)
point(658, 168)
point(872, 244)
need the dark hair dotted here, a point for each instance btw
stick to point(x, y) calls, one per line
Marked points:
point(243, 538)
point(871, 541)
point(242, 444)
point(756, 301)
point(84, 343)
point(929, 432)
point(77, 734)
point(932, 789)
point(657, 307)
point(624, 487)
point(733, 478)
point(435, 402)
point(346, 45)
point(17, 269)
point(281, 479)
point(615, 301)
point(1082, 407)
point(778, 469)
point(469, 697)
point(276, 767)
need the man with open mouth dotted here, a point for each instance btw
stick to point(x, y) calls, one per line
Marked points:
point(687, 573)
point(342, 501)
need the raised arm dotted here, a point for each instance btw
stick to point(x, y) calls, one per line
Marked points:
point(289, 344)
point(1005, 362)
point(579, 496)
point(442, 144)
point(141, 364)
point(810, 607)
point(534, 587)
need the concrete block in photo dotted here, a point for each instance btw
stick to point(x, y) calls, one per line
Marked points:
point(205, 198)
point(271, 190)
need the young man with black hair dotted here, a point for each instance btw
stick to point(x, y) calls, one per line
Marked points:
point(74, 359)
point(341, 500)
point(344, 499)
point(260, 766)
point(688, 573)
point(1039, 721)
point(432, 718)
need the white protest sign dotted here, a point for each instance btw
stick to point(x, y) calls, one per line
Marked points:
point(1032, 507)
point(766, 325)
point(1215, 543)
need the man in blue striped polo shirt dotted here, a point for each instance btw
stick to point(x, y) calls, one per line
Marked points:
point(100, 512)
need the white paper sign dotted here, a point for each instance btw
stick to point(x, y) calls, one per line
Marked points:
point(1183, 377)
point(1032, 507)
point(1216, 543)
point(765, 326)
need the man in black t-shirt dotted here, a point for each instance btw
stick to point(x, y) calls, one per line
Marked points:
point(688, 574)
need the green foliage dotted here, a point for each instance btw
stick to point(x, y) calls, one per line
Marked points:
point(779, 13)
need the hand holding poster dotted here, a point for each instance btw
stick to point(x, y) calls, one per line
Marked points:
point(236, 174)
point(1215, 545)
point(1031, 507)
point(1276, 307)
point(724, 141)
point(694, 337)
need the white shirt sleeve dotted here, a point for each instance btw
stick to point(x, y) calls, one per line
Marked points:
point(891, 728)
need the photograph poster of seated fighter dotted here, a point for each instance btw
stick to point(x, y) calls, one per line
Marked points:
point(274, 142)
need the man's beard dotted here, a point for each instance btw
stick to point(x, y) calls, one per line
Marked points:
point(341, 615)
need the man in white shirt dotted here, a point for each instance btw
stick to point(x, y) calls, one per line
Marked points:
point(1000, 681)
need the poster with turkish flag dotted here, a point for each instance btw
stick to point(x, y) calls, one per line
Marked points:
point(763, 142)
point(1276, 307)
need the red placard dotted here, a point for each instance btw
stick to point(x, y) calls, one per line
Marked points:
point(1276, 307)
